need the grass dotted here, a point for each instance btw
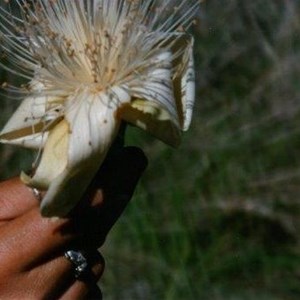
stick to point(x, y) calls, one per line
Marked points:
point(219, 217)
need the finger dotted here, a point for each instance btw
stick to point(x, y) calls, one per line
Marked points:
point(15, 199)
point(35, 237)
point(30, 238)
point(63, 284)
point(87, 288)
point(80, 292)
point(114, 186)
point(54, 279)
point(120, 183)
point(95, 293)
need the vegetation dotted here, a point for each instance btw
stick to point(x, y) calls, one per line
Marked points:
point(219, 217)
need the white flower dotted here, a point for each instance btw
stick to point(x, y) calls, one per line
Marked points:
point(91, 64)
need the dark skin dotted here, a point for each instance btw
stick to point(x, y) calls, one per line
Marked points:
point(32, 264)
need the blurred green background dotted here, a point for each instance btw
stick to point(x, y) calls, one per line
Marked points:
point(217, 218)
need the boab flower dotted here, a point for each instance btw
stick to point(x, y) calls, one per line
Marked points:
point(90, 65)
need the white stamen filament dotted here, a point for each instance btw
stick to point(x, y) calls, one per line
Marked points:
point(92, 63)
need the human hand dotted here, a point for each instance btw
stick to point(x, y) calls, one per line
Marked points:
point(32, 262)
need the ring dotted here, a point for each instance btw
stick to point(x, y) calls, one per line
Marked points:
point(37, 194)
point(79, 261)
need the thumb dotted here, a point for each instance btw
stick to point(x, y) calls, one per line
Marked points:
point(116, 182)
point(121, 173)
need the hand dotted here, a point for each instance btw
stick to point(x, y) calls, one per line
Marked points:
point(32, 262)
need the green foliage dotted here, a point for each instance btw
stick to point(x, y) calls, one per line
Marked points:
point(218, 218)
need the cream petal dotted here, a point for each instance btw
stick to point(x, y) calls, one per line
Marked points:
point(152, 118)
point(188, 89)
point(184, 80)
point(29, 124)
point(66, 190)
point(155, 109)
point(92, 120)
point(24, 123)
point(93, 127)
point(155, 84)
point(33, 141)
point(54, 158)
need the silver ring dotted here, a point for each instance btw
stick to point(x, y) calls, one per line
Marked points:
point(79, 261)
point(37, 194)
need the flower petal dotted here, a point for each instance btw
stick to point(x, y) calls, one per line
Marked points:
point(29, 124)
point(92, 129)
point(155, 108)
point(151, 117)
point(25, 125)
point(32, 141)
point(54, 158)
point(66, 190)
point(92, 119)
point(184, 80)
point(155, 84)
